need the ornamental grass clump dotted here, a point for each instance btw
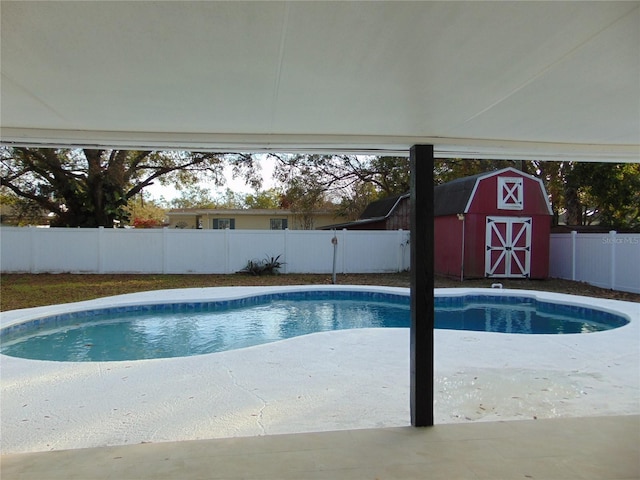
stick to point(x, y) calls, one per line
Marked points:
point(268, 266)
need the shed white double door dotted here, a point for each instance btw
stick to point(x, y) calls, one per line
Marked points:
point(508, 247)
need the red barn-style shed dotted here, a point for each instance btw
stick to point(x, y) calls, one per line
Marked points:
point(494, 224)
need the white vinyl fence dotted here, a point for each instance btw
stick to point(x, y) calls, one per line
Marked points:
point(606, 260)
point(104, 250)
point(609, 260)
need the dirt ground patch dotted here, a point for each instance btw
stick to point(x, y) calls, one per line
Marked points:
point(26, 290)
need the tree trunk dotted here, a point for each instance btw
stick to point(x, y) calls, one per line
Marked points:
point(572, 205)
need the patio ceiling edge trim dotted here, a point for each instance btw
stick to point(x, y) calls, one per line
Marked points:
point(322, 144)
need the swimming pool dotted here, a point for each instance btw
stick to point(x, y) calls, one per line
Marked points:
point(356, 378)
point(188, 328)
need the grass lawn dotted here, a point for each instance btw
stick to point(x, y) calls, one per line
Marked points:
point(26, 290)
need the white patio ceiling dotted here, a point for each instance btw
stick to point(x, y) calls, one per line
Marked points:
point(481, 79)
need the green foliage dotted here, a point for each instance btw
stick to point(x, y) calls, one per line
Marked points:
point(90, 188)
point(145, 211)
point(193, 196)
point(21, 212)
point(337, 173)
point(389, 175)
point(609, 193)
point(551, 174)
point(230, 199)
point(304, 198)
point(267, 199)
point(338, 182)
point(268, 266)
point(196, 196)
point(447, 170)
point(586, 193)
point(350, 207)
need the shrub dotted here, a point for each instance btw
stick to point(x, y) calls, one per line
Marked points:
point(146, 223)
point(268, 266)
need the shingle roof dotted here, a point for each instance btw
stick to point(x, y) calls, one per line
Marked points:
point(449, 198)
point(381, 208)
point(452, 197)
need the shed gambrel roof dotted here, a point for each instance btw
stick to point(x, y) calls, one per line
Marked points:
point(453, 197)
point(456, 196)
point(449, 198)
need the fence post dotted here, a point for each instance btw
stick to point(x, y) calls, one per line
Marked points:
point(612, 259)
point(399, 241)
point(574, 236)
point(286, 257)
point(100, 250)
point(345, 232)
point(400, 250)
point(227, 250)
point(165, 253)
point(32, 249)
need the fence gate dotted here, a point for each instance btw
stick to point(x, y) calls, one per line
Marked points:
point(508, 247)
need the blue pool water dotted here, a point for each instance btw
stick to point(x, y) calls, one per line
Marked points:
point(177, 330)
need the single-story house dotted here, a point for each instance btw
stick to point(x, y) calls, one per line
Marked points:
point(246, 219)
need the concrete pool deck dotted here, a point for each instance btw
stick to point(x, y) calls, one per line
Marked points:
point(588, 448)
point(344, 380)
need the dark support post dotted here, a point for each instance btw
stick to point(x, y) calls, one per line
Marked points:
point(422, 284)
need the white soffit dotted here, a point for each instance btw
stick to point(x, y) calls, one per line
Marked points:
point(547, 80)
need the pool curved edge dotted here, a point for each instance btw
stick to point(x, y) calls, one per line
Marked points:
point(628, 310)
point(182, 295)
point(271, 388)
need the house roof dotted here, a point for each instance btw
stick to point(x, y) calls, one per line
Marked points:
point(237, 211)
point(534, 80)
point(354, 223)
point(382, 208)
point(374, 212)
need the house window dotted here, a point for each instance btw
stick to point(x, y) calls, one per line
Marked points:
point(510, 196)
point(224, 223)
point(279, 224)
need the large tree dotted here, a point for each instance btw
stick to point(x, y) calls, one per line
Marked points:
point(270, 199)
point(350, 182)
point(389, 175)
point(604, 193)
point(453, 168)
point(584, 193)
point(91, 188)
point(145, 212)
point(304, 197)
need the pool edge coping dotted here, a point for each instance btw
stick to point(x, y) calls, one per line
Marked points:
point(629, 310)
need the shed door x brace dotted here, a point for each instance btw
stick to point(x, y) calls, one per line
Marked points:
point(508, 247)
